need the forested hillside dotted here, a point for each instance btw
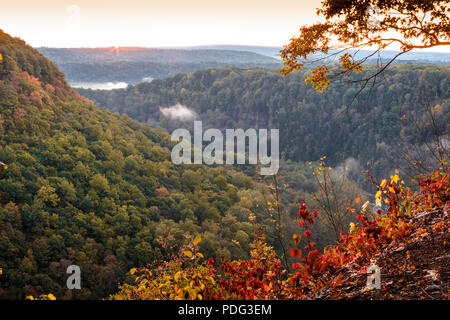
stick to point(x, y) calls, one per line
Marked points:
point(392, 112)
point(132, 65)
point(88, 187)
point(82, 185)
point(314, 161)
point(116, 54)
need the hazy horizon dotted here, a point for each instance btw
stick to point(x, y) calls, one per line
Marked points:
point(157, 24)
point(431, 50)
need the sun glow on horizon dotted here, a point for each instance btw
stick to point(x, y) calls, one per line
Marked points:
point(157, 24)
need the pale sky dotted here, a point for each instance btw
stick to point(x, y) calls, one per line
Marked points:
point(151, 23)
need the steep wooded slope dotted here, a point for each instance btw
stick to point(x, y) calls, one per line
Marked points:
point(88, 187)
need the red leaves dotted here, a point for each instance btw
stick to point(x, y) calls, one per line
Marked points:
point(296, 252)
point(297, 237)
point(256, 278)
point(259, 277)
point(366, 238)
point(304, 214)
point(435, 190)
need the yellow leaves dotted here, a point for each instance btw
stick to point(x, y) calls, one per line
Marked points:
point(3, 166)
point(1, 57)
point(319, 78)
point(290, 64)
point(133, 271)
point(51, 296)
point(190, 293)
point(366, 289)
point(177, 276)
point(197, 240)
point(188, 253)
point(1, 271)
point(378, 198)
point(395, 179)
point(348, 64)
point(200, 255)
point(385, 186)
point(352, 227)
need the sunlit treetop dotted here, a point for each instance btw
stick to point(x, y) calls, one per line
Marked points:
point(373, 25)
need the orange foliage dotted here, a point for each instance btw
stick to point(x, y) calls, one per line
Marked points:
point(18, 114)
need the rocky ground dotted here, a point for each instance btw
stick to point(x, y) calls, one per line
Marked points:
point(415, 268)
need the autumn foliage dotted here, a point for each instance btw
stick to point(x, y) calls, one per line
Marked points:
point(186, 275)
point(388, 220)
point(369, 25)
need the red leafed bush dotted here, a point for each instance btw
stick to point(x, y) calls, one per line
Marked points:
point(367, 238)
point(259, 278)
point(262, 277)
